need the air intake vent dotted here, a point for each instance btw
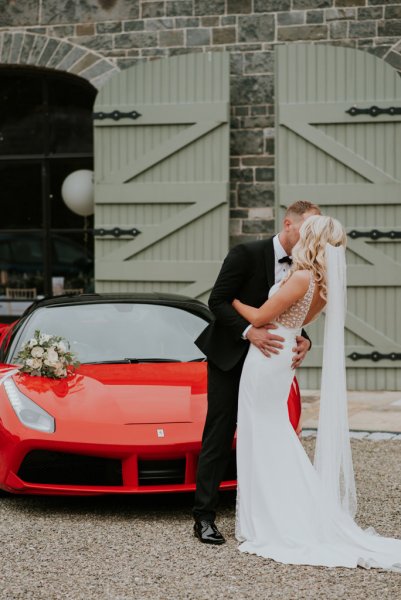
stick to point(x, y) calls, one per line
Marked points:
point(43, 466)
point(161, 472)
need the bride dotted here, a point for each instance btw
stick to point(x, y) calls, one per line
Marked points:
point(288, 509)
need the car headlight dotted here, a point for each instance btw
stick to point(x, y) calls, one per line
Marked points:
point(30, 414)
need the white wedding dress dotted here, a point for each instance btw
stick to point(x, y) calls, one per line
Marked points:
point(284, 510)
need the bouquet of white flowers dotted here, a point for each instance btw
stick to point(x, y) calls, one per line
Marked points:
point(46, 355)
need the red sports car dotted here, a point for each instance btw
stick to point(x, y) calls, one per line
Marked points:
point(130, 419)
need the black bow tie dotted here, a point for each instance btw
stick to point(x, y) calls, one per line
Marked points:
point(286, 259)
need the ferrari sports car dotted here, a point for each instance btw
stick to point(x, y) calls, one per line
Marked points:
point(129, 419)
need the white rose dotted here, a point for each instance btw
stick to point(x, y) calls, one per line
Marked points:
point(44, 337)
point(51, 355)
point(54, 364)
point(31, 343)
point(61, 347)
point(34, 363)
point(37, 351)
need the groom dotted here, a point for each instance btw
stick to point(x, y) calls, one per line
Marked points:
point(248, 272)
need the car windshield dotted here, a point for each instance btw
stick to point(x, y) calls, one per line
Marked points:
point(118, 331)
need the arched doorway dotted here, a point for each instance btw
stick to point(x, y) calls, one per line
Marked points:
point(45, 134)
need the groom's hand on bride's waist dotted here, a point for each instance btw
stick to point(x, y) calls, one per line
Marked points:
point(268, 342)
point(300, 351)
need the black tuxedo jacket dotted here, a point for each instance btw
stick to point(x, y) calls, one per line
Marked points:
point(247, 273)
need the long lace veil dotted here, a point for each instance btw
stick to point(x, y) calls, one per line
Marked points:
point(333, 459)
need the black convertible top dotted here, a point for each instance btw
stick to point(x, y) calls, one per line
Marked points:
point(183, 302)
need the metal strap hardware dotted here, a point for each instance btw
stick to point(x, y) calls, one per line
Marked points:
point(116, 115)
point(374, 111)
point(117, 232)
point(375, 356)
point(375, 234)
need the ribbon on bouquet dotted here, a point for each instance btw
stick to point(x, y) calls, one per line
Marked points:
point(7, 374)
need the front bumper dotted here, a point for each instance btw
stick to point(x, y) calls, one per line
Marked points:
point(62, 469)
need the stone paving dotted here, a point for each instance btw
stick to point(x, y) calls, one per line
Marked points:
point(372, 415)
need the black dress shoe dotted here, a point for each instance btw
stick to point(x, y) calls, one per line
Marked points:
point(207, 532)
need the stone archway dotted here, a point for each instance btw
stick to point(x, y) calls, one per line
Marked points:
point(21, 48)
point(393, 56)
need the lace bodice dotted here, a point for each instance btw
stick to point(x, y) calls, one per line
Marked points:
point(295, 315)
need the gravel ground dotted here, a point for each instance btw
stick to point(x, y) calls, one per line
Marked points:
point(123, 548)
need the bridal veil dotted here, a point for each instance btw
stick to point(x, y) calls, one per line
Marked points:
point(333, 459)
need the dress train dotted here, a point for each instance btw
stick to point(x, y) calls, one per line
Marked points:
point(283, 510)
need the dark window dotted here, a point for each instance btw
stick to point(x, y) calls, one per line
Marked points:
point(22, 113)
point(45, 134)
point(69, 125)
point(21, 194)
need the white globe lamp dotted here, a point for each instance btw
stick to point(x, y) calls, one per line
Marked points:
point(77, 192)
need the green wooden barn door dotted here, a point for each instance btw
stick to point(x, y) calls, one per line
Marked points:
point(339, 145)
point(161, 172)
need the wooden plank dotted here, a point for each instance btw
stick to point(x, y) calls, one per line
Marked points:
point(335, 112)
point(159, 193)
point(149, 270)
point(338, 151)
point(372, 276)
point(315, 355)
point(339, 194)
point(375, 257)
point(165, 114)
point(156, 233)
point(199, 288)
point(162, 151)
point(372, 336)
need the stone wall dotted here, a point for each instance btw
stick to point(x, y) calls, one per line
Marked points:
point(94, 38)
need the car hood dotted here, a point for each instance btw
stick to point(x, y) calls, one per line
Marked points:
point(123, 394)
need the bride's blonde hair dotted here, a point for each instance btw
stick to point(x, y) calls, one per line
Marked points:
point(309, 252)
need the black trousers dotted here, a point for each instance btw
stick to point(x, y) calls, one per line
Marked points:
point(217, 439)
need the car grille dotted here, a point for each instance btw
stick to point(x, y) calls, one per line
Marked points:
point(161, 472)
point(63, 468)
point(43, 466)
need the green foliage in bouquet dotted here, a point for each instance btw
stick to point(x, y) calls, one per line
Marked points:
point(47, 355)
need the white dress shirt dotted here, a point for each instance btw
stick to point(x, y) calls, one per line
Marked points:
point(280, 269)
